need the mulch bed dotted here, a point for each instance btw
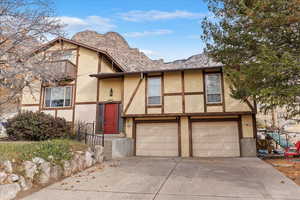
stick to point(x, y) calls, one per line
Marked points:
point(289, 167)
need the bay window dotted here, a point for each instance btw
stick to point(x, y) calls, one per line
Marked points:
point(56, 97)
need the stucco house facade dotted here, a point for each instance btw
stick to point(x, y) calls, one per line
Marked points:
point(185, 112)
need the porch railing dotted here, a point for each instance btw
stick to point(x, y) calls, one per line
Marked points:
point(89, 135)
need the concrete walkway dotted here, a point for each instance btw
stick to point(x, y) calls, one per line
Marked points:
point(175, 179)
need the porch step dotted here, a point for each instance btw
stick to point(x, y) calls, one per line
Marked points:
point(117, 147)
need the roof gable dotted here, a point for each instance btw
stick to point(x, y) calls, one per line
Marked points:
point(61, 39)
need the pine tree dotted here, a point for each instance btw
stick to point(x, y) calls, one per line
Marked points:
point(258, 42)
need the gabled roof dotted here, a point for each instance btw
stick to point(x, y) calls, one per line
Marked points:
point(60, 39)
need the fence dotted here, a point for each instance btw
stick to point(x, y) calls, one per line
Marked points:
point(87, 133)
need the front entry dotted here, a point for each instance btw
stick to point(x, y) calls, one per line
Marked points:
point(111, 115)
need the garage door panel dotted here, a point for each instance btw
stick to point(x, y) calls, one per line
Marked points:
point(215, 139)
point(157, 139)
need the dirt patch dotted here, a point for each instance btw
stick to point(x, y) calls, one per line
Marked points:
point(289, 167)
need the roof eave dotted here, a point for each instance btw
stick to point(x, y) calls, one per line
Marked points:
point(121, 74)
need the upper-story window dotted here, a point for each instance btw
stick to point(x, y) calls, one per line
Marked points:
point(213, 88)
point(154, 91)
point(56, 97)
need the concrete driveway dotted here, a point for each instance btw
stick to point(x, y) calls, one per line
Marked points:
point(175, 179)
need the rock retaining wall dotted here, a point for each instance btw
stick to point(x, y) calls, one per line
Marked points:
point(14, 179)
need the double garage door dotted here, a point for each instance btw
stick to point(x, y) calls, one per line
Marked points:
point(208, 139)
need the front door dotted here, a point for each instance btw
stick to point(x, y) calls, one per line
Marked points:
point(111, 114)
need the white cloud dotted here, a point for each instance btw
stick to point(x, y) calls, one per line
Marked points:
point(97, 23)
point(149, 33)
point(154, 15)
point(148, 52)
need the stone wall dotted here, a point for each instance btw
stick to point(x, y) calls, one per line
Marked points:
point(15, 178)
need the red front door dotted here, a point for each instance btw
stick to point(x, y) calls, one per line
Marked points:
point(111, 118)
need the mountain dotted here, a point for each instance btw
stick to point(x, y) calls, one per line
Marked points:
point(132, 59)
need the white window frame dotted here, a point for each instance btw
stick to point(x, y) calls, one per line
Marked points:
point(221, 89)
point(148, 89)
point(65, 90)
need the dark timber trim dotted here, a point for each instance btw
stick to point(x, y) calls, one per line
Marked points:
point(133, 95)
point(182, 92)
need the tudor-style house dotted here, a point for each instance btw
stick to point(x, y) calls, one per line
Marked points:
point(185, 112)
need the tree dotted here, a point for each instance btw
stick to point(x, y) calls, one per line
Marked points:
point(258, 42)
point(24, 25)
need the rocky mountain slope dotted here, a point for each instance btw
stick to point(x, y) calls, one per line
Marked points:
point(132, 59)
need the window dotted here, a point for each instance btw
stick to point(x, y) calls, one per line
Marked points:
point(213, 88)
point(154, 90)
point(58, 97)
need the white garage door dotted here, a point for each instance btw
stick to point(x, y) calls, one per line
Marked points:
point(157, 139)
point(215, 139)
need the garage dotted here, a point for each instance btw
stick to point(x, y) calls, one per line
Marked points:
point(215, 139)
point(157, 139)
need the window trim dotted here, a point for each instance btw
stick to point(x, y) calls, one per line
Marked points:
point(160, 90)
point(221, 89)
point(61, 107)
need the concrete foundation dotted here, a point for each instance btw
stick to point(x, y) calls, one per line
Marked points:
point(118, 147)
point(122, 147)
point(248, 147)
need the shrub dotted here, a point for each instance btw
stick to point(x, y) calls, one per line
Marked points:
point(36, 126)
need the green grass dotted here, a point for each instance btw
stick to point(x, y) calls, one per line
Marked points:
point(59, 149)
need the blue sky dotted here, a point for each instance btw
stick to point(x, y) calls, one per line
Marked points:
point(168, 29)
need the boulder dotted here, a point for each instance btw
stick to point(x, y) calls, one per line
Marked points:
point(45, 169)
point(98, 153)
point(56, 172)
point(30, 169)
point(38, 160)
point(3, 177)
point(9, 191)
point(7, 166)
point(12, 178)
point(25, 184)
point(67, 168)
point(74, 163)
point(81, 163)
point(88, 158)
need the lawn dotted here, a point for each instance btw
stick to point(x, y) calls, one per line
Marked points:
point(53, 150)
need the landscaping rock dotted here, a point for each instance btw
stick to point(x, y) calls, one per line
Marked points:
point(88, 159)
point(74, 163)
point(67, 168)
point(30, 169)
point(12, 178)
point(99, 153)
point(56, 172)
point(45, 169)
point(9, 191)
point(38, 160)
point(7, 166)
point(81, 163)
point(25, 184)
point(3, 177)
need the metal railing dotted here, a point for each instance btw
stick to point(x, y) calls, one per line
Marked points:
point(87, 133)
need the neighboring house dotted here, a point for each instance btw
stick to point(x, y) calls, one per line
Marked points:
point(167, 112)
